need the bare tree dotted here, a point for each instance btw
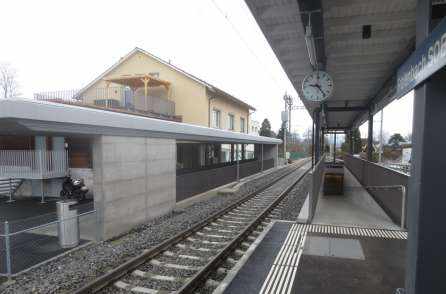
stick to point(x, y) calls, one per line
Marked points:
point(8, 81)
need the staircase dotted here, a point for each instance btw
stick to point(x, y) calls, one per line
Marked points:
point(5, 186)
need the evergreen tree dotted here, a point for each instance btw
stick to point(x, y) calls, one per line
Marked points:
point(265, 129)
point(357, 144)
point(395, 140)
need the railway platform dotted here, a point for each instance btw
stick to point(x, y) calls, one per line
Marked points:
point(350, 246)
point(307, 258)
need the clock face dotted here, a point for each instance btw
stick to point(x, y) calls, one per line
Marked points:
point(317, 86)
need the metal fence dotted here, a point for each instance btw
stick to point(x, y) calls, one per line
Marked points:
point(29, 242)
point(190, 184)
point(33, 164)
point(402, 167)
point(113, 98)
point(387, 186)
point(316, 175)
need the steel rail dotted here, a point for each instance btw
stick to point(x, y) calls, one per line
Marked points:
point(200, 278)
point(114, 274)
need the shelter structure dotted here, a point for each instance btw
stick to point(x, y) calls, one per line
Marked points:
point(139, 167)
point(375, 52)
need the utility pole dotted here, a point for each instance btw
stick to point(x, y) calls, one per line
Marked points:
point(286, 120)
point(381, 138)
point(290, 105)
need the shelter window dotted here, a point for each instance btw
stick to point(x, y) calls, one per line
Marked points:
point(216, 117)
point(249, 151)
point(242, 125)
point(231, 121)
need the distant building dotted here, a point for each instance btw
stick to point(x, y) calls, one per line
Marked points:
point(406, 152)
point(254, 128)
point(147, 85)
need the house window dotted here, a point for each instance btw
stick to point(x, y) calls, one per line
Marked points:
point(242, 125)
point(231, 122)
point(216, 115)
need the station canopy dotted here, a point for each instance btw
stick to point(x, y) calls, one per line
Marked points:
point(360, 43)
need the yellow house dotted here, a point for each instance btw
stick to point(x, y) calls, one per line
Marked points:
point(144, 82)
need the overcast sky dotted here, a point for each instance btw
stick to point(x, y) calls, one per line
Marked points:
point(57, 45)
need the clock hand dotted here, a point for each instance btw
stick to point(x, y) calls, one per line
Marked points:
point(319, 87)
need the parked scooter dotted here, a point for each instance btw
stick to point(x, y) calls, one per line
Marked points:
point(73, 189)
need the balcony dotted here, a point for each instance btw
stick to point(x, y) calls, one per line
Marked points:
point(118, 99)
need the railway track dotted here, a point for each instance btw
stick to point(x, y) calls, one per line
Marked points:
point(196, 259)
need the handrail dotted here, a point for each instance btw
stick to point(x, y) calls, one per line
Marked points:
point(112, 98)
point(377, 164)
point(33, 164)
point(45, 224)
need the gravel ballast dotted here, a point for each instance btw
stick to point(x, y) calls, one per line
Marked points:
point(294, 201)
point(77, 268)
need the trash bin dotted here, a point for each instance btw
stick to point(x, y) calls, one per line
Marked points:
point(68, 228)
point(334, 179)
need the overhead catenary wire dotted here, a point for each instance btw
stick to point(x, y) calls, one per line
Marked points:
point(246, 44)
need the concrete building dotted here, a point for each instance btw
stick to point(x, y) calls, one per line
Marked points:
point(140, 167)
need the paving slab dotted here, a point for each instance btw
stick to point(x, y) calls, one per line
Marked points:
point(340, 260)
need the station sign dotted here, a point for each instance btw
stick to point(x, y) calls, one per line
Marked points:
point(427, 59)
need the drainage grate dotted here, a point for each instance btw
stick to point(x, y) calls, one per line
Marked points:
point(281, 276)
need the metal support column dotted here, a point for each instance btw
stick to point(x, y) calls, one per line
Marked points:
point(7, 249)
point(370, 137)
point(352, 151)
point(10, 200)
point(312, 144)
point(317, 139)
point(334, 148)
point(238, 165)
point(426, 206)
point(261, 158)
point(322, 142)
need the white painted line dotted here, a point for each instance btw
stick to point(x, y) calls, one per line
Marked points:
point(241, 262)
point(137, 289)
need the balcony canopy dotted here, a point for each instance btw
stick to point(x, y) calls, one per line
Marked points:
point(359, 43)
point(138, 81)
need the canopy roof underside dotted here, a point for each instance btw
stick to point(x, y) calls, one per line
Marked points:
point(363, 69)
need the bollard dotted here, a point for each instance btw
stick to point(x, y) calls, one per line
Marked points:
point(8, 250)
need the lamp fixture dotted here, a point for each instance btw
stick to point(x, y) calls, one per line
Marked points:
point(311, 46)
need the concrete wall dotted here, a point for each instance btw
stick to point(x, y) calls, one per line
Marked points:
point(87, 175)
point(33, 188)
point(134, 181)
point(271, 152)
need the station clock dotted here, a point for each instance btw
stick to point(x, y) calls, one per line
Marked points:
point(317, 86)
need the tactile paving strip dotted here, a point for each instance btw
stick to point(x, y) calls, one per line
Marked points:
point(281, 276)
